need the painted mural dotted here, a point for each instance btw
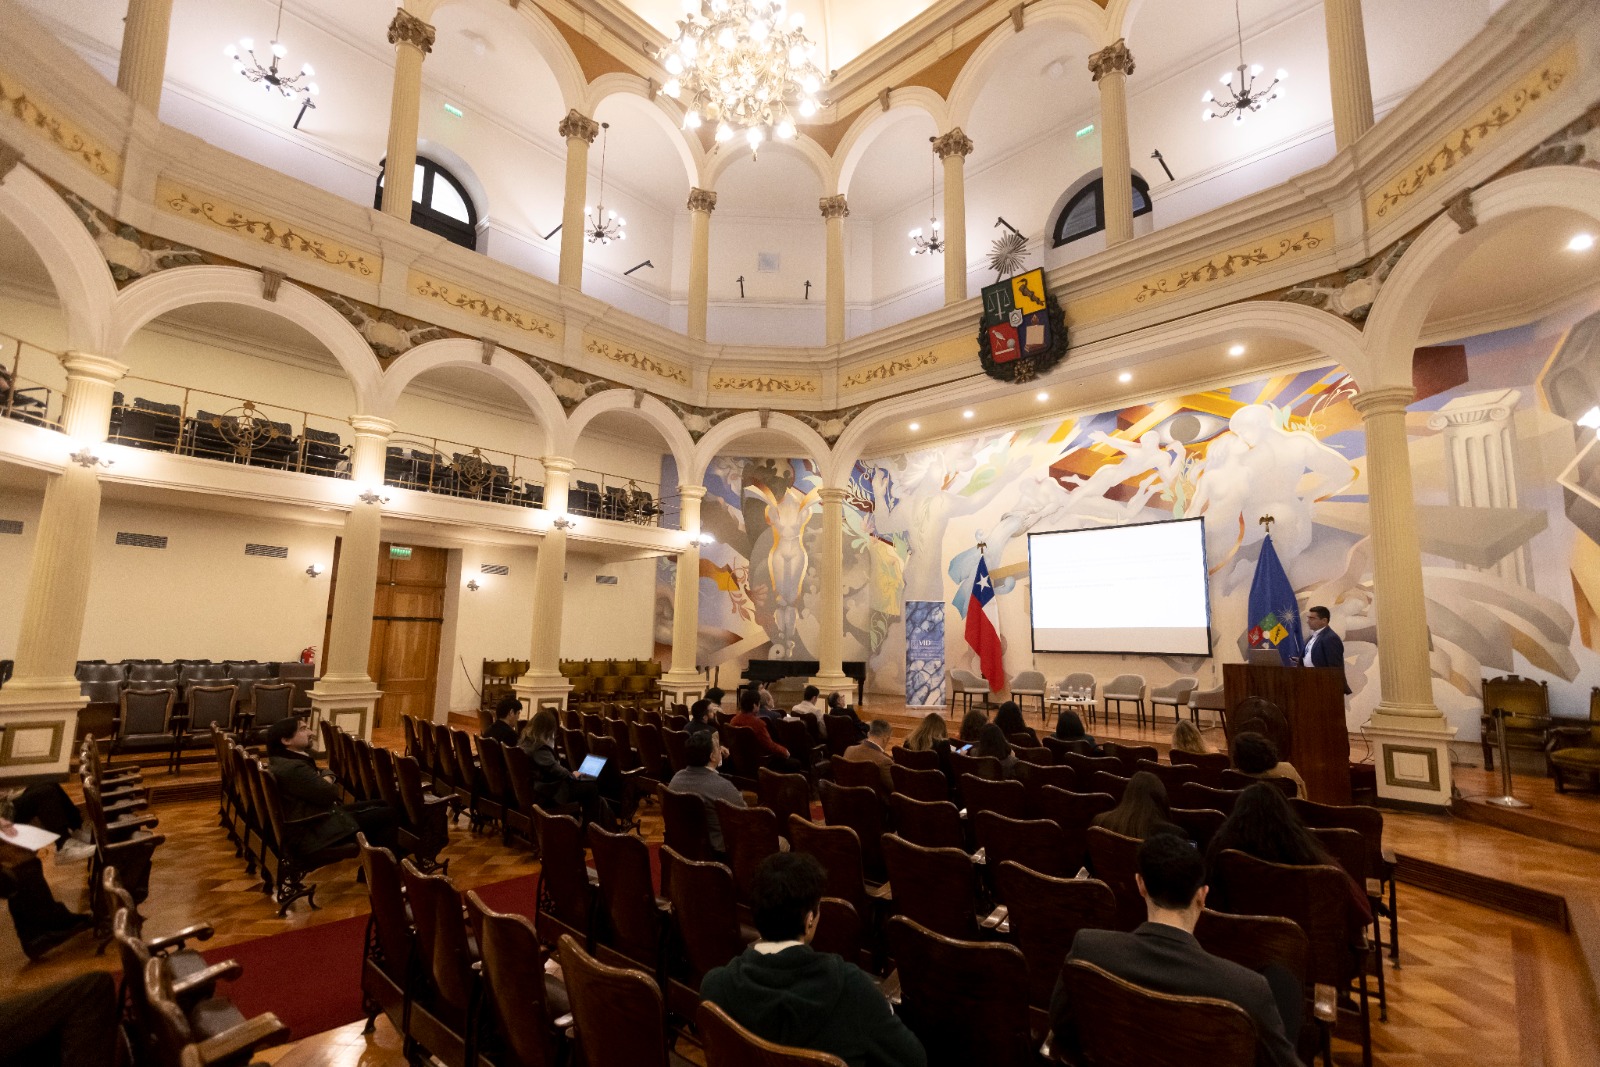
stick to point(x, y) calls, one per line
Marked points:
point(1506, 473)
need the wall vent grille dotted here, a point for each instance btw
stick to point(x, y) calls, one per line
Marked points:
point(274, 551)
point(139, 540)
point(605, 579)
point(494, 568)
point(10, 526)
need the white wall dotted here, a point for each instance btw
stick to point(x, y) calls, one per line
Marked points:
point(608, 621)
point(495, 622)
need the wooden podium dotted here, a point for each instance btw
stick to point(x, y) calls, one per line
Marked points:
point(1312, 699)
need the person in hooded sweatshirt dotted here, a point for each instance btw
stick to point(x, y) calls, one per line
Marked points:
point(783, 990)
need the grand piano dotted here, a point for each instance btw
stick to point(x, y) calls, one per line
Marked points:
point(767, 671)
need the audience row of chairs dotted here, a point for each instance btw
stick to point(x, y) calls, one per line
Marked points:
point(632, 680)
point(151, 719)
point(1081, 692)
point(472, 475)
point(116, 803)
point(236, 437)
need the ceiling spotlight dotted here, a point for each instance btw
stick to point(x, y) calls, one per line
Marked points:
point(1041, 396)
point(968, 413)
point(1236, 350)
point(914, 427)
point(1581, 242)
point(1124, 377)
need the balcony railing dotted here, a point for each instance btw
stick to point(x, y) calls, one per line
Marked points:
point(31, 383)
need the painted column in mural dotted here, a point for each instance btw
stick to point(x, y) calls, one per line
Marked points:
point(830, 594)
point(1480, 463)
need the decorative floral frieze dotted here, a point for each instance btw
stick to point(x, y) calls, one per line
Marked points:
point(627, 357)
point(285, 235)
point(1226, 266)
point(889, 369)
point(1530, 92)
point(793, 385)
point(466, 300)
point(29, 109)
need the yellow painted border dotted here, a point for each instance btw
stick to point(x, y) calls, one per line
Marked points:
point(643, 362)
point(252, 224)
point(41, 115)
point(460, 298)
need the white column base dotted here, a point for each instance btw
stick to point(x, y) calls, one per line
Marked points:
point(840, 682)
point(1413, 760)
point(682, 689)
point(352, 710)
point(538, 692)
point(39, 731)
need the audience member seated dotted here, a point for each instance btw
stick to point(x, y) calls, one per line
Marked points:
point(810, 705)
point(700, 718)
point(47, 806)
point(875, 749)
point(972, 724)
point(838, 706)
point(1069, 727)
point(310, 794)
point(504, 727)
point(1186, 737)
point(700, 777)
point(715, 697)
point(929, 735)
point(1143, 810)
point(777, 757)
point(766, 707)
point(1263, 825)
point(553, 783)
point(1255, 754)
point(992, 742)
point(1163, 955)
point(784, 991)
point(68, 1023)
point(1009, 719)
point(42, 921)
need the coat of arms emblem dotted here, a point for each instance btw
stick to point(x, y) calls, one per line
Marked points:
point(1024, 331)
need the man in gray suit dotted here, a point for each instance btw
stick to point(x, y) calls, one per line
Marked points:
point(1163, 955)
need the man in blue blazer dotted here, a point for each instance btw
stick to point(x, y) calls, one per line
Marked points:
point(1323, 647)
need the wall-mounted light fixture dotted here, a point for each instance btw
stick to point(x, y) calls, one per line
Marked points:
point(563, 522)
point(705, 538)
point(314, 570)
point(85, 457)
point(472, 585)
point(372, 496)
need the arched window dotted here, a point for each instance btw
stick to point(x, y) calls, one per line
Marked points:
point(439, 204)
point(1085, 213)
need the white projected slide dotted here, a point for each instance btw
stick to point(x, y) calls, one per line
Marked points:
point(1122, 589)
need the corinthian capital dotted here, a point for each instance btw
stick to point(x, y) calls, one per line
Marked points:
point(1114, 58)
point(834, 207)
point(702, 200)
point(406, 28)
point(576, 125)
point(954, 143)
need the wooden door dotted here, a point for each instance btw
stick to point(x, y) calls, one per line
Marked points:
point(407, 621)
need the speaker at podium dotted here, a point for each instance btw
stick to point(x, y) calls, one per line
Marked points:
point(1312, 702)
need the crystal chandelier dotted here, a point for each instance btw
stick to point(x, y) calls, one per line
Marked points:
point(599, 225)
point(742, 64)
point(1242, 95)
point(294, 86)
point(933, 242)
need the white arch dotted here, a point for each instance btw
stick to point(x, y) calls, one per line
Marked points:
point(874, 121)
point(1328, 334)
point(801, 145)
point(463, 352)
point(549, 43)
point(1397, 317)
point(1120, 17)
point(723, 434)
point(154, 296)
point(1079, 16)
point(648, 408)
point(76, 266)
point(662, 110)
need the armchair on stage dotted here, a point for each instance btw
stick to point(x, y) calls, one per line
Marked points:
point(1526, 704)
point(1575, 750)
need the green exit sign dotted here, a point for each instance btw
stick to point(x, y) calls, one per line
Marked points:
point(399, 552)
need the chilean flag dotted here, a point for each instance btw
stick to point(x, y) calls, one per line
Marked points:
point(981, 632)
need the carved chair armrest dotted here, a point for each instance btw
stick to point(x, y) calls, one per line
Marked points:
point(1560, 737)
point(133, 822)
point(133, 846)
point(246, 720)
point(248, 1035)
point(122, 808)
point(228, 970)
point(177, 939)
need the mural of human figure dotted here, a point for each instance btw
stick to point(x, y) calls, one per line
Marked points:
point(1259, 468)
point(787, 516)
point(1140, 456)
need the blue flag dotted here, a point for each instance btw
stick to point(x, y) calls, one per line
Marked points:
point(1274, 611)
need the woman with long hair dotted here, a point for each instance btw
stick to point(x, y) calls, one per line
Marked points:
point(1143, 810)
point(992, 742)
point(1255, 754)
point(972, 725)
point(1263, 825)
point(1186, 738)
point(1069, 727)
point(553, 783)
point(1009, 719)
point(929, 734)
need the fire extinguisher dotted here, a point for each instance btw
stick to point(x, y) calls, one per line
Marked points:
point(308, 655)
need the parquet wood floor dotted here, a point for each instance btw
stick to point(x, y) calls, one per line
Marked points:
point(1476, 988)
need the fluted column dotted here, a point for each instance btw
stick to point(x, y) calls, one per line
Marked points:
point(1348, 78)
point(1111, 67)
point(701, 203)
point(143, 65)
point(830, 594)
point(580, 132)
point(953, 149)
point(412, 39)
point(686, 592)
point(834, 212)
point(1480, 462)
point(350, 635)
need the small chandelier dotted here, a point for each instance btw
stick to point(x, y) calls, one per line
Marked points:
point(293, 86)
point(599, 225)
point(932, 243)
point(742, 64)
point(1242, 95)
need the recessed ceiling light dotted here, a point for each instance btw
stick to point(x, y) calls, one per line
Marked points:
point(1236, 350)
point(914, 427)
point(1581, 242)
point(967, 414)
point(1124, 377)
point(1041, 396)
